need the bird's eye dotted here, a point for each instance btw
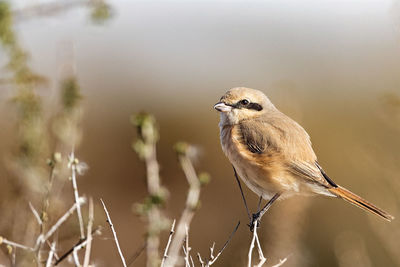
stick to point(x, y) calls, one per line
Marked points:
point(244, 102)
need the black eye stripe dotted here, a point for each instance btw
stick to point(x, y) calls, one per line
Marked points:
point(254, 106)
point(251, 105)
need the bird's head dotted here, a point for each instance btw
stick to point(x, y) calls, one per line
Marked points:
point(242, 104)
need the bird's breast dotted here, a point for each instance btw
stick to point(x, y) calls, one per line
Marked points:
point(257, 175)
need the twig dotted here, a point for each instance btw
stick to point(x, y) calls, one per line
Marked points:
point(96, 231)
point(186, 247)
point(280, 263)
point(114, 233)
point(51, 254)
point(168, 243)
point(213, 258)
point(35, 213)
point(89, 234)
point(72, 164)
point(191, 204)
point(137, 254)
point(14, 244)
point(255, 241)
point(60, 221)
point(146, 149)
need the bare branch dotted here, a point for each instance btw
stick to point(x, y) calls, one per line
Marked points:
point(72, 164)
point(145, 147)
point(213, 259)
point(81, 243)
point(51, 254)
point(35, 213)
point(168, 243)
point(186, 247)
point(14, 244)
point(280, 263)
point(255, 241)
point(60, 221)
point(114, 234)
point(191, 203)
point(137, 254)
point(89, 234)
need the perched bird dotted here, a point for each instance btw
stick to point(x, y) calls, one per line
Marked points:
point(272, 153)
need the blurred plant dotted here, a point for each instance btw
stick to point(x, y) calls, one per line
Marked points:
point(145, 147)
point(31, 138)
point(101, 11)
point(32, 145)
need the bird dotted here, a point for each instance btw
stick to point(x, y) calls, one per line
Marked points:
point(272, 153)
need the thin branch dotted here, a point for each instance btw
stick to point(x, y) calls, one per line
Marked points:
point(51, 254)
point(137, 254)
point(186, 247)
point(280, 263)
point(213, 259)
point(114, 233)
point(255, 241)
point(260, 252)
point(96, 231)
point(60, 221)
point(35, 213)
point(168, 243)
point(72, 164)
point(14, 244)
point(191, 204)
point(146, 149)
point(89, 234)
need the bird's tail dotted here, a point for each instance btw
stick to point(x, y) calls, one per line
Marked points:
point(360, 202)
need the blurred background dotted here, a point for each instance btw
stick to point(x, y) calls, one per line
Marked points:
point(333, 66)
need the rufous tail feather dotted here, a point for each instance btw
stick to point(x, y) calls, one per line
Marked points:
point(360, 202)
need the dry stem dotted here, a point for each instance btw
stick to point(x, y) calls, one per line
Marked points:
point(255, 241)
point(72, 164)
point(168, 243)
point(114, 234)
point(188, 213)
point(89, 234)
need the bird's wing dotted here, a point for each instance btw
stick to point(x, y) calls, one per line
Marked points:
point(286, 139)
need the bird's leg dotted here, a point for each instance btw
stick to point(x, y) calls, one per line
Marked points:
point(241, 191)
point(257, 216)
point(259, 204)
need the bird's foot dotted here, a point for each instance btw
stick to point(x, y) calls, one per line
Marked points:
point(255, 218)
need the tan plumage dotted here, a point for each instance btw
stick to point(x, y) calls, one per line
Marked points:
point(272, 153)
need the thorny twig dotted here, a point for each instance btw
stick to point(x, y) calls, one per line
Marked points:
point(60, 221)
point(255, 241)
point(89, 234)
point(72, 164)
point(136, 254)
point(186, 248)
point(96, 231)
point(114, 234)
point(51, 254)
point(213, 259)
point(168, 243)
point(280, 263)
point(145, 147)
point(191, 203)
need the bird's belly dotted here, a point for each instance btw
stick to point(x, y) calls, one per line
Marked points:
point(265, 179)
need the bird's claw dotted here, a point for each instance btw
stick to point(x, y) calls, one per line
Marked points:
point(255, 218)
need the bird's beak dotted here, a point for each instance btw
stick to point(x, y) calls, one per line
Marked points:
point(222, 107)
